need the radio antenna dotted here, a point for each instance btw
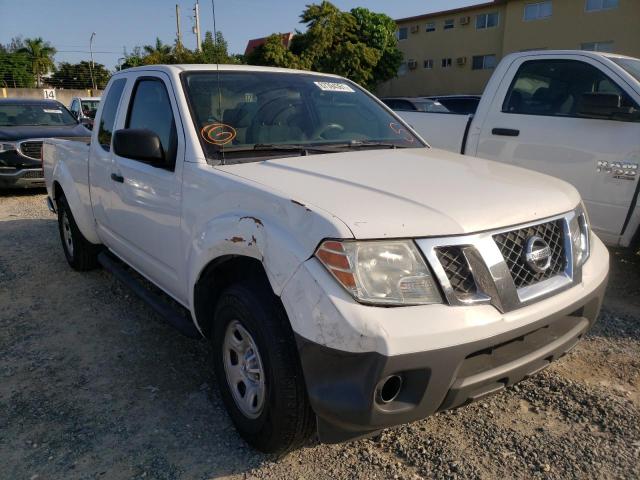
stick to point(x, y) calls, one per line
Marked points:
point(215, 40)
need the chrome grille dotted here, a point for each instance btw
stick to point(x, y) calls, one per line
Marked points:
point(33, 174)
point(457, 269)
point(513, 243)
point(31, 149)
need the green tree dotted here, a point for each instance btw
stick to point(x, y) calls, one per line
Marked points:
point(214, 51)
point(158, 53)
point(15, 68)
point(78, 75)
point(40, 55)
point(359, 45)
point(274, 54)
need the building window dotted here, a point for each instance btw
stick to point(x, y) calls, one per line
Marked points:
point(403, 33)
point(428, 64)
point(597, 5)
point(403, 69)
point(446, 63)
point(430, 27)
point(487, 20)
point(483, 62)
point(449, 24)
point(538, 11)
point(598, 46)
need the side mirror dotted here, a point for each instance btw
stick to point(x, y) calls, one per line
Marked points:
point(139, 144)
point(600, 104)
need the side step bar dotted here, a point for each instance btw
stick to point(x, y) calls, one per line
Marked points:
point(176, 317)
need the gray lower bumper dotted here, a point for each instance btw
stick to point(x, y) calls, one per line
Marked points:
point(25, 178)
point(342, 386)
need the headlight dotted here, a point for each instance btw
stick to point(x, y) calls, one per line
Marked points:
point(580, 232)
point(380, 272)
point(7, 146)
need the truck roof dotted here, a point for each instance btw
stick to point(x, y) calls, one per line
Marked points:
point(221, 67)
point(586, 53)
point(29, 101)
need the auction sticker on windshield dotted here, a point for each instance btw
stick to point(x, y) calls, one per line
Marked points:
point(334, 87)
point(50, 110)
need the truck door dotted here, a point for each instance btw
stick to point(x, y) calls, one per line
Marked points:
point(146, 199)
point(101, 161)
point(557, 116)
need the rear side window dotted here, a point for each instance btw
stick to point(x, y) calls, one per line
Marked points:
point(151, 109)
point(559, 88)
point(109, 110)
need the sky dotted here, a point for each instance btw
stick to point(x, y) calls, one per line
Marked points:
point(120, 24)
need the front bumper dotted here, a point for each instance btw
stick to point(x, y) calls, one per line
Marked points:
point(24, 178)
point(467, 354)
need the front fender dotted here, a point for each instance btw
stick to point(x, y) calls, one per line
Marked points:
point(76, 190)
point(246, 236)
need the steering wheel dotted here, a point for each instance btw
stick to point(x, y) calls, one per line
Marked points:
point(321, 131)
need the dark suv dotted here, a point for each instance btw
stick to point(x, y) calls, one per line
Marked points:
point(23, 125)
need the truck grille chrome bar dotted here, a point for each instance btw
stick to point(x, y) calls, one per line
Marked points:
point(493, 267)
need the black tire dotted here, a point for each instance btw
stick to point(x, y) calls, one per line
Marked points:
point(286, 420)
point(81, 254)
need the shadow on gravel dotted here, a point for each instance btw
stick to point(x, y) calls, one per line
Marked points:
point(22, 192)
point(92, 383)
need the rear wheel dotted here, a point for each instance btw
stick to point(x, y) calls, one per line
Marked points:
point(80, 253)
point(258, 370)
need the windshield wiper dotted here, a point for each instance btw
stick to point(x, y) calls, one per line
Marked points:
point(364, 143)
point(281, 147)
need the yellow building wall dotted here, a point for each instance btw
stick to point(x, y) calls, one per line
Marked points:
point(461, 41)
point(569, 27)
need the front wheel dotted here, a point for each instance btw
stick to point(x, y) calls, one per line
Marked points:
point(258, 370)
point(80, 253)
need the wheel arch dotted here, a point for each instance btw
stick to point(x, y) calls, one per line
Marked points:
point(217, 275)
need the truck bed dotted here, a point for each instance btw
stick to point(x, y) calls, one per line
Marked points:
point(441, 130)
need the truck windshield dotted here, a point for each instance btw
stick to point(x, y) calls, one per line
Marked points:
point(90, 107)
point(17, 115)
point(250, 114)
point(631, 65)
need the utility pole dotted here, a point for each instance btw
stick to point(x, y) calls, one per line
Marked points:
point(93, 81)
point(178, 30)
point(196, 29)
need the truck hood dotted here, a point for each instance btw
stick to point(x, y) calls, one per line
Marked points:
point(413, 192)
point(37, 131)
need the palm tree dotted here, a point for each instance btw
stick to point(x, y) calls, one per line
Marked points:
point(158, 52)
point(40, 55)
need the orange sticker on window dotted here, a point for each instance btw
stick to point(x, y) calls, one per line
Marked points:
point(218, 133)
point(400, 130)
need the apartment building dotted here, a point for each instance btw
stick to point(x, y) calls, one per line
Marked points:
point(455, 51)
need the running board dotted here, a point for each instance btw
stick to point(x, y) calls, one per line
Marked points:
point(177, 317)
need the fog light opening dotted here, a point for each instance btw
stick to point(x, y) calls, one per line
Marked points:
point(389, 388)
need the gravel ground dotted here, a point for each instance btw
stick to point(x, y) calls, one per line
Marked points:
point(93, 385)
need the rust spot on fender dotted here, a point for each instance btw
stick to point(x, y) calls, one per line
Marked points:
point(295, 202)
point(253, 240)
point(235, 239)
point(256, 220)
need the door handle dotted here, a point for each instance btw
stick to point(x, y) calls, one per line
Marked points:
point(505, 132)
point(117, 178)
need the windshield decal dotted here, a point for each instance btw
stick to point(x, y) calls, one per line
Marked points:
point(399, 130)
point(51, 110)
point(334, 87)
point(218, 133)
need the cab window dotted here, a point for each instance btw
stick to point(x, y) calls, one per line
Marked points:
point(108, 117)
point(150, 108)
point(568, 88)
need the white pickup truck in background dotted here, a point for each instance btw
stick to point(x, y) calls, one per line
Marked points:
point(347, 275)
point(574, 115)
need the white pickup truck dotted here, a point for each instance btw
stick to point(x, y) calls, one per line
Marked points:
point(348, 276)
point(571, 114)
